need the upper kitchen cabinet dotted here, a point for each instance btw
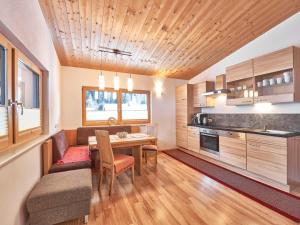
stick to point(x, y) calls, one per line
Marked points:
point(240, 82)
point(184, 112)
point(277, 76)
point(199, 100)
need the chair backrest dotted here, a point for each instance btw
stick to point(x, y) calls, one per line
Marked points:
point(104, 146)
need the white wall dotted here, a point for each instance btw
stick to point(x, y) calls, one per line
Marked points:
point(23, 21)
point(163, 109)
point(283, 35)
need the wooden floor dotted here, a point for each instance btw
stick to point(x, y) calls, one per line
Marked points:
point(175, 194)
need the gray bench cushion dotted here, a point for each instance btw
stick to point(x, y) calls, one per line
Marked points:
point(59, 189)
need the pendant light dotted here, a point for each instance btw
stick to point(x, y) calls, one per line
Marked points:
point(130, 83)
point(116, 80)
point(101, 80)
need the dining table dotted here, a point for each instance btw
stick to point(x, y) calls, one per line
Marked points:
point(133, 141)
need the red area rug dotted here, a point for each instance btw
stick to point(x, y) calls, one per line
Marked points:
point(277, 200)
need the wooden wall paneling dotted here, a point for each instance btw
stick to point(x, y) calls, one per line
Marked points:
point(71, 136)
point(47, 156)
point(177, 38)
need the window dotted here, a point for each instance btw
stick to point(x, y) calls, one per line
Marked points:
point(135, 106)
point(28, 98)
point(126, 107)
point(101, 105)
point(20, 96)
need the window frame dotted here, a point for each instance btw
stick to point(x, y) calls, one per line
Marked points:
point(21, 136)
point(120, 121)
point(7, 140)
point(136, 121)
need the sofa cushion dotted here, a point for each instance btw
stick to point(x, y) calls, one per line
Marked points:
point(75, 154)
point(59, 145)
point(55, 168)
point(83, 133)
point(59, 189)
point(122, 162)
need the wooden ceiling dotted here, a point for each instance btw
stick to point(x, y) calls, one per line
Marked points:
point(175, 38)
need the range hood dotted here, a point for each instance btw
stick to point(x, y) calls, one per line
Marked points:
point(220, 86)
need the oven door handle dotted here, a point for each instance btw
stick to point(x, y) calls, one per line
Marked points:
point(210, 135)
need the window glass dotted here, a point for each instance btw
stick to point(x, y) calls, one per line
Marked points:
point(28, 94)
point(134, 106)
point(3, 89)
point(101, 105)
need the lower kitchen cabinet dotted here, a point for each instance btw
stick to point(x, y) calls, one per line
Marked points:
point(233, 150)
point(193, 139)
point(181, 135)
point(267, 156)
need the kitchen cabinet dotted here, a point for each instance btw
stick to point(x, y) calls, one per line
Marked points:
point(240, 80)
point(277, 76)
point(193, 139)
point(233, 149)
point(184, 112)
point(200, 100)
point(267, 156)
point(239, 71)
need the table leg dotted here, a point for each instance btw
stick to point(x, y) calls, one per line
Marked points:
point(137, 154)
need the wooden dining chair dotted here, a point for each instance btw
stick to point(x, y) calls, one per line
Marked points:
point(151, 150)
point(115, 163)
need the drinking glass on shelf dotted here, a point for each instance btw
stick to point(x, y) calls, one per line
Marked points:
point(265, 82)
point(246, 93)
point(251, 93)
point(286, 77)
point(279, 80)
point(259, 84)
point(272, 81)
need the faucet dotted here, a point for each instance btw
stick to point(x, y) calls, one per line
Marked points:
point(265, 127)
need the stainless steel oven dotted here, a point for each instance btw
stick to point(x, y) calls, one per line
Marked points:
point(209, 140)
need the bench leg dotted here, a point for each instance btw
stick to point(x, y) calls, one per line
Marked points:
point(86, 219)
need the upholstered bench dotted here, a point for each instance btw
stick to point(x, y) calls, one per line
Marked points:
point(60, 197)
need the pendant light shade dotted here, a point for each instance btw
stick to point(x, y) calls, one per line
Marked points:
point(116, 83)
point(101, 82)
point(130, 83)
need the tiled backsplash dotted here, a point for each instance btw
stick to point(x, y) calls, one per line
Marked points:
point(289, 122)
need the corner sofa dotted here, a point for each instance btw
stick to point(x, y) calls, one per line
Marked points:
point(68, 149)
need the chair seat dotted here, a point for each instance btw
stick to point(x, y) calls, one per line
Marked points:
point(150, 148)
point(122, 162)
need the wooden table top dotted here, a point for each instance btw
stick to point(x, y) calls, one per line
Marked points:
point(131, 139)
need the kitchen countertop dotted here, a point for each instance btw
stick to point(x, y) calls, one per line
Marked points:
point(275, 133)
